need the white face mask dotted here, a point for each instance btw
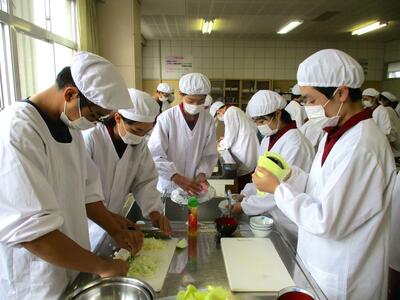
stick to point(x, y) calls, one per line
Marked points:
point(192, 109)
point(220, 118)
point(318, 112)
point(81, 123)
point(171, 98)
point(265, 130)
point(129, 138)
point(163, 98)
point(367, 103)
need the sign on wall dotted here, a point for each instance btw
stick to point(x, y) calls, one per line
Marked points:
point(178, 65)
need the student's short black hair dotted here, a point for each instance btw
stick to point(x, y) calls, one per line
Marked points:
point(285, 116)
point(64, 79)
point(355, 94)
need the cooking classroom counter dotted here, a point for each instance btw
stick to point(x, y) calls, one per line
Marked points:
point(208, 268)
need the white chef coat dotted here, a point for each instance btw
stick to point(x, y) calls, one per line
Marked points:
point(297, 112)
point(381, 117)
point(241, 139)
point(177, 149)
point(344, 215)
point(394, 258)
point(312, 130)
point(45, 186)
point(297, 151)
point(394, 136)
point(133, 173)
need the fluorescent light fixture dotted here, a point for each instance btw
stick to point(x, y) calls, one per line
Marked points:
point(292, 25)
point(207, 26)
point(368, 28)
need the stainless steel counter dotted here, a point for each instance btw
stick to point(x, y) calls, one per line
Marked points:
point(207, 268)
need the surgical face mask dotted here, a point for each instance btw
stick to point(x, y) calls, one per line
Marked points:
point(192, 109)
point(366, 103)
point(266, 130)
point(171, 98)
point(318, 112)
point(129, 138)
point(81, 123)
point(163, 98)
point(220, 118)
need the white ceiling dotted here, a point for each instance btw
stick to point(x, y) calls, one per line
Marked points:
point(244, 19)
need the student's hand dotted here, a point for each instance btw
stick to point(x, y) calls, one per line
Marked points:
point(267, 183)
point(124, 223)
point(201, 178)
point(238, 197)
point(236, 209)
point(131, 240)
point(188, 185)
point(114, 267)
point(160, 221)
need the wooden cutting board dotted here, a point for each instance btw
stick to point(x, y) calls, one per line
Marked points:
point(253, 265)
point(164, 258)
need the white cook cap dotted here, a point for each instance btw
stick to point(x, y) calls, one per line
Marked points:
point(370, 92)
point(99, 81)
point(208, 101)
point(330, 68)
point(265, 102)
point(389, 96)
point(296, 90)
point(144, 109)
point(194, 84)
point(215, 106)
point(164, 87)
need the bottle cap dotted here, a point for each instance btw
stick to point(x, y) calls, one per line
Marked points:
point(192, 202)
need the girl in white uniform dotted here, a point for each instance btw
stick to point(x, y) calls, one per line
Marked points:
point(121, 154)
point(343, 214)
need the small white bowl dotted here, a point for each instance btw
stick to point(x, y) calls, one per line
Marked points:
point(261, 221)
point(259, 233)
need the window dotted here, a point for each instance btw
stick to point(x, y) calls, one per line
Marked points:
point(393, 70)
point(37, 40)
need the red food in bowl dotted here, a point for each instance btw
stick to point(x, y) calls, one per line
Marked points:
point(226, 226)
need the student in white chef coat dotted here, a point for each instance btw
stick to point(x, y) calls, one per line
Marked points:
point(120, 152)
point(266, 108)
point(163, 96)
point(183, 143)
point(343, 215)
point(390, 101)
point(239, 138)
point(380, 115)
point(394, 252)
point(295, 109)
point(49, 185)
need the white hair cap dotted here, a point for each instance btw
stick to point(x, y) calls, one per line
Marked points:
point(208, 101)
point(194, 84)
point(330, 68)
point(99, 81)
point(389, 96)
point(144, 109)
point(265, 102)
point(370, 92)
point(215, 106)
point(296, 90)
point(165, 88)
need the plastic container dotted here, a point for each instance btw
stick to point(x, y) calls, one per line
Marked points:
point(295, 293)
point(192, 216)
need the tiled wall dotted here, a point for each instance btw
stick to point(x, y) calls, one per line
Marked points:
point(264, 59)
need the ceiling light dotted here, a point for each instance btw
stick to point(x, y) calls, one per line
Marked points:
point(292, 25)
point(207, 26)
point(368, 28)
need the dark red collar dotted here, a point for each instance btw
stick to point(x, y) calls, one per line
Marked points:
point(334, 133)
point(274, 138)
point(190, 120)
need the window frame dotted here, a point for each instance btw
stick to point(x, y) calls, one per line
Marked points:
point(387, 70)
point(18, 25)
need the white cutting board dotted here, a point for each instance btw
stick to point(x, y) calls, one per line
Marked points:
point(164, 258)
point(253, 265)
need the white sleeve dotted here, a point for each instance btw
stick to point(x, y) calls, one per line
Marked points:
point(343, 205)
point(383, 121)
point(209, 156)
point(231, 121)
point(28, 205)
point(394, 252)
point(158, 145)
point(144, 186)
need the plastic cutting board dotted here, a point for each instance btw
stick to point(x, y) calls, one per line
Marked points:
point(254, 265)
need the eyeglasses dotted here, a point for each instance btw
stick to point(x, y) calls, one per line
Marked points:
point(98, 117)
